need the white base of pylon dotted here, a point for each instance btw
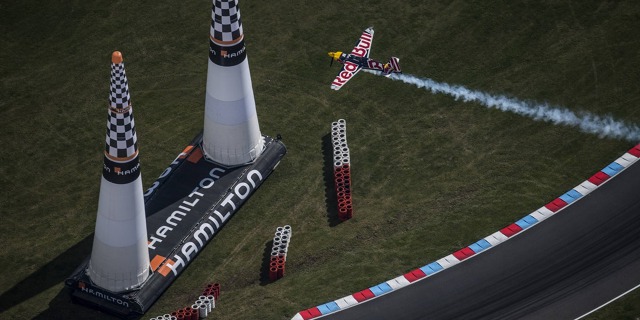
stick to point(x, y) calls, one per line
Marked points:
point(120, 258)
point(231, 133)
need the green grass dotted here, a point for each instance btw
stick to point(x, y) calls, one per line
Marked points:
point(431, 175)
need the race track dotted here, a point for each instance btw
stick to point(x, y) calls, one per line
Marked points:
point(562, 268)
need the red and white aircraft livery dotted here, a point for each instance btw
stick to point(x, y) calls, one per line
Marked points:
point(358, 59)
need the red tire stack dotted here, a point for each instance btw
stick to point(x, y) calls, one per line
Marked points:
point(186, 313)
point(342, 169)
point(279, 250)
point(212, 289)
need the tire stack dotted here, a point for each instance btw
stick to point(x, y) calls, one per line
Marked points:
point(187, 313)
point(200, 309)
point(342, 169)
point(281, 240)
point(212, 289)
point(204, 305)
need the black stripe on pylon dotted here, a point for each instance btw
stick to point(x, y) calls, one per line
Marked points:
point(227, 56)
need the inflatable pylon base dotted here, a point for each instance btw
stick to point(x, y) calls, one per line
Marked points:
point(186, 207)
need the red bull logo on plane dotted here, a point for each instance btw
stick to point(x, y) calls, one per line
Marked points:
point(363, 46)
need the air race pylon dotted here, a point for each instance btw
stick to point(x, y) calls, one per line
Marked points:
point(231, 132)
point(120, 257)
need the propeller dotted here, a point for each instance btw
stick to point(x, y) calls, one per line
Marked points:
point(333, 56)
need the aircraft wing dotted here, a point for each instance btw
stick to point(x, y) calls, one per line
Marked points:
point(349, 69)
point(363, 46)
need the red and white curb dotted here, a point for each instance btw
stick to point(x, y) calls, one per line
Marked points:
point(504, 234)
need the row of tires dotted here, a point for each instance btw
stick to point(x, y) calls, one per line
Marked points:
point(279, 250)
point(342, 169)
point(200, 309)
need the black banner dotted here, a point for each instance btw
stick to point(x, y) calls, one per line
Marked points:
point(121, 173)
point(227, 56)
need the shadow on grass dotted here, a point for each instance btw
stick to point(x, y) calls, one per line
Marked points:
point(330, 197)
point(266, 259)
point(62, 307)
point(51, 274)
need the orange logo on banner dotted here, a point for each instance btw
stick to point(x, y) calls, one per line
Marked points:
point(156, 261)
point(117, 169)
point(195, 156)
point(164, 270)
point(185, 152)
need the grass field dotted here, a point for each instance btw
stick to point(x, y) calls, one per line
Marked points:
point(430, 174)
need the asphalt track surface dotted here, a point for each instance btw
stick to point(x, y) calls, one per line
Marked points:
point(562, 268)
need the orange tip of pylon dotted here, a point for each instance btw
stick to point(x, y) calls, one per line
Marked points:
point(116, 57)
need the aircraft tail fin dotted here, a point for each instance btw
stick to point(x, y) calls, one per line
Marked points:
point(392, 66)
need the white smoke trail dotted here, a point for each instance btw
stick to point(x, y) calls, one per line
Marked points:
point(603, 126)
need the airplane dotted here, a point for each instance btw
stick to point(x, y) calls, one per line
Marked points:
point(358, 59)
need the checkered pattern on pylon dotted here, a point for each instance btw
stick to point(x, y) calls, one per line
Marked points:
point(225, 20)
point(119, 94)
point(121, 139)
